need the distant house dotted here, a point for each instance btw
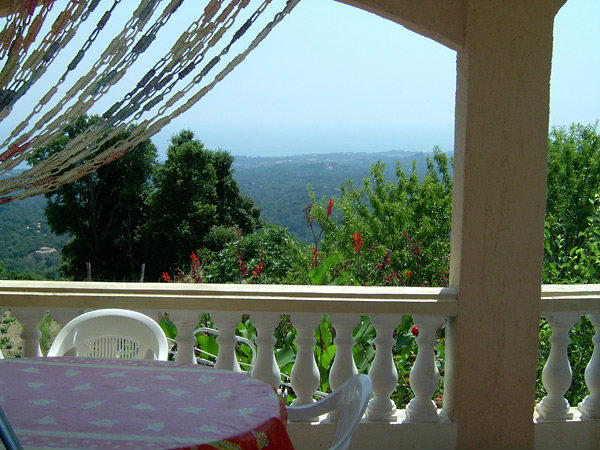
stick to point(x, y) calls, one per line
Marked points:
point(45, 250)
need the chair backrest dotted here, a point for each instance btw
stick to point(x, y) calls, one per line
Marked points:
point(350, 400)
point(111, 333)
point(241, 339)
point(7, 434)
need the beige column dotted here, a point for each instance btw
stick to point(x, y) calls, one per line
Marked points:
point(502, 108)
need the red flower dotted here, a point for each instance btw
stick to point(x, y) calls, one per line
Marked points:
point(166, 277)
point(196, 268)
point(195, 260)
point(415, 331)
point(329, 207)
point(358, 241)
point(408, 274)
point(259, 269)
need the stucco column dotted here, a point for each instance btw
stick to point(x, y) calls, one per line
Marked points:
point(502, 108)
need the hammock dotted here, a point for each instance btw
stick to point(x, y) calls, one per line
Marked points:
point(39, 34)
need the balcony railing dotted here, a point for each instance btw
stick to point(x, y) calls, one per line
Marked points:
point(421, 424)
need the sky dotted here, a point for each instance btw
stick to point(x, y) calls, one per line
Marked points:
point(333, 78)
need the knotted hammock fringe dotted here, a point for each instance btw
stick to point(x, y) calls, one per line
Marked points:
point(171, 86)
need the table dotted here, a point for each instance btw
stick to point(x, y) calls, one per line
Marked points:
point(85, 403)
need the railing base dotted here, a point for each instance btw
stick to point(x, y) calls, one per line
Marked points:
point(379, 435)
point(577, 433)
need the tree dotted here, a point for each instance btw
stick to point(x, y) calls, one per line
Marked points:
point(196, 206)
point(391, 233)
point(573, 179)
point(270, 255)
point(101, 211)
point(572, 236)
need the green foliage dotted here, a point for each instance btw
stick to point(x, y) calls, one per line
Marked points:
point(579, 263)
point(101, 211)
point(10, 331)
point(168, 326)
point(194, 201)
point(133, 211)
point(572, 237)
point(573, 180)
point(402, 228)
point(380, 233)
point(49, 328)
point(391, 233)
point(283, 259)
point(321, 273)
point(262, 178)
point(24, 231)
point(381, 215)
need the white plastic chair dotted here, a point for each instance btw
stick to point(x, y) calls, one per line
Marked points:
point(111, 333)
point(349, 400)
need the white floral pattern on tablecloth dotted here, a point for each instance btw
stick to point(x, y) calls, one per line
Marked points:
point(82, 403)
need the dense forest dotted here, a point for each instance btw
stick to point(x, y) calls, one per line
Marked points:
point(278, 186)
point(28, 245)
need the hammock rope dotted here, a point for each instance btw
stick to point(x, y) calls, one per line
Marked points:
point(50, 126)
point(172, 85)
point(59, 35)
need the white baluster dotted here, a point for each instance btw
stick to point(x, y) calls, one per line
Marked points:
point(305, 376)
point(186, 322)
point(265, 367)
point(557, 374)
point(226, 322)
point(424, 376)
point(343, 366)
point(343, 363)
point(30, 319)
point(590, 407)
point(383, 373)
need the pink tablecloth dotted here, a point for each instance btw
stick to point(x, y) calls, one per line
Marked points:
point(80, 403)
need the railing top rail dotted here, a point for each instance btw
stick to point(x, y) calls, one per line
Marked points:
point(584, 298)
point(231, 297)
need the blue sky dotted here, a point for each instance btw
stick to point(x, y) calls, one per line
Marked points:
point(333, 78)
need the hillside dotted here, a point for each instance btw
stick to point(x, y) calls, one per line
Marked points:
point(279, 184)
point(27, 243)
